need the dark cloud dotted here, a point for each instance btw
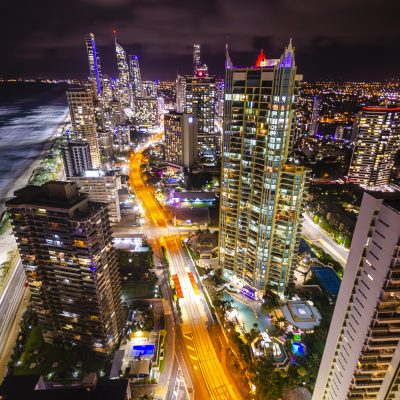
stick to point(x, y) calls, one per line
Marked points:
point(333, 38)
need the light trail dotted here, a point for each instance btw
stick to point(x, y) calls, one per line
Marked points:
point(194, 316)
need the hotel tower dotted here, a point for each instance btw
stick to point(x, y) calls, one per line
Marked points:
point(262, 195)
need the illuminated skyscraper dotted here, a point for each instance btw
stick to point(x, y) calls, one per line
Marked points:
point(361, 359)
point(94, 61)
point(83, 119)
point(124, 86)
point(262, 197)
point(376, 144)
point(196, 58)
point(101, 187)
point(149, 88)
point(201, 102)
point(136, 79)
point(146, 111)
point(315, 116)
point(180, 132)
point(65, 243)
point(180, 93)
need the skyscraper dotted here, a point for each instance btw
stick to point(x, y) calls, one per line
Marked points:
point(101, 187)
point(65, 244)
point(83, 119)
point(315, 116)
point(361, 359)
point(124, 86)
point(146, 111)
point(196, 58)
point(149, 88)
point(201, 102)
point(376, 145)
point(180, 132)
point(94, 61)
point(76, 157)
point(261, 195)
point(136, 79)
point(180, 85)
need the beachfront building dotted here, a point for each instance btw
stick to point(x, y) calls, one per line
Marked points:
point(262, 195)
point(83, 120)
point(376, 144)
point(101, 187)
point(361, 359)
point(180, 134)
point(123, 85)
point(70, 264)
point(76, 157)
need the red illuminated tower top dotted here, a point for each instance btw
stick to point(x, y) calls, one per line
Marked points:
point(261, 59)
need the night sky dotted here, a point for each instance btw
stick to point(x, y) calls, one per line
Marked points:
point(334, 39)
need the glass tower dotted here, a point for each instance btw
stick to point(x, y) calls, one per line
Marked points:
point(136, 79)
point(94, 61)
point(261, 194)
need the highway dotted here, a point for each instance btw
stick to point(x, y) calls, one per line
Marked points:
point(319, 237)
point(208, 377)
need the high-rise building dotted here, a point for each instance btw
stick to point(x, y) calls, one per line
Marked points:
point(315, 116)
point(65, 244)
point(149, 88)
point(262, 196)
point(180, 85)
point(94, 62)
point(180, 132)
point(136, 79)
point(376, 145)
point(196, 58)
point(339, 131)
point(201, 102)
point(361, 359)
point(101, 187)
point(124, 85)
point(83, 120)
point(76, 157)
point(146, 111)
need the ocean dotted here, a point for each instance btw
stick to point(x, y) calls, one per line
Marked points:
point(30, 114)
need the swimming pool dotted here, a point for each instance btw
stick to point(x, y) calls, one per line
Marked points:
point(247, 316)
point(140, 350)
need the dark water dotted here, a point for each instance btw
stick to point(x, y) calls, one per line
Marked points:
point(29, 115)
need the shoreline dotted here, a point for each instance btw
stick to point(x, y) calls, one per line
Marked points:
point(24, 178)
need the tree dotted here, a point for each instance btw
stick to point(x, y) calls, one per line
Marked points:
point(268, 380)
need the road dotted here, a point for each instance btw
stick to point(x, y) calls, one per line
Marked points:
point(313, 232)
point(206, 373)
point(10, 301)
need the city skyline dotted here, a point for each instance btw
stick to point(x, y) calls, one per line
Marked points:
point(162, 33)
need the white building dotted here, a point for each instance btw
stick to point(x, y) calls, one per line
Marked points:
point(101, 187)
point(362, 352)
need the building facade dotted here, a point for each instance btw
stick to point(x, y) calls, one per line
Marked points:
point(94, 62)
point(76, 157)
point(83, 120)
point(124, 85)
point(361, 359)
point(65, 244)
point(180, 93)
point(103, 188)
point(314, 125)
point(376, 144)
point(180, 133)
point(261, 195)
point(201, 102)
point(146, 111)
point(136, 78)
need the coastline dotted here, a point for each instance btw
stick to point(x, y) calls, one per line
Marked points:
point(24, 178)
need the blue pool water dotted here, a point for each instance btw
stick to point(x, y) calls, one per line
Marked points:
point(247, 316)
point(298, 349)
point(143, 350)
